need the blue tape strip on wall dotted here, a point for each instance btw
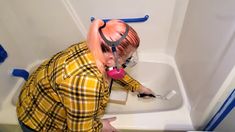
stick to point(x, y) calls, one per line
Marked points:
point(127, 20)
point(3, 54)
point(20, 73)
point(224, 110)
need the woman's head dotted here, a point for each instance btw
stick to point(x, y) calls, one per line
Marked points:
point(113, 30)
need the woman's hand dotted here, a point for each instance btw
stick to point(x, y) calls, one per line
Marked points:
point(107, 127)
point(147, 91)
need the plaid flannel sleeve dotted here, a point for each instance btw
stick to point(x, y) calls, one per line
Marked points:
point(129, 83)
point(80, 95)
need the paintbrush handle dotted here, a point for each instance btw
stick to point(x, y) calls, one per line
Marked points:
point(142, 95)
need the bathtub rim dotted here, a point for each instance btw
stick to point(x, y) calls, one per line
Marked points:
point(163, 59)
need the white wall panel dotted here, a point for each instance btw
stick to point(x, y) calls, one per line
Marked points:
point(205, 52)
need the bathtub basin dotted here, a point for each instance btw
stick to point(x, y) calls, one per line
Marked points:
point(137, 114)
point(161, 79)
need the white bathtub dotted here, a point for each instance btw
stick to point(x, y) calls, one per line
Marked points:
point(161, 79)
point(137, 114)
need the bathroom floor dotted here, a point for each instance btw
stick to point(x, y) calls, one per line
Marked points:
point(10, 128)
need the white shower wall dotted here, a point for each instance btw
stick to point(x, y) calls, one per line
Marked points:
point(205, 53)
point(159, 34)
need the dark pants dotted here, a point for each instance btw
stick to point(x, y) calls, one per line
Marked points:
point(25, 128)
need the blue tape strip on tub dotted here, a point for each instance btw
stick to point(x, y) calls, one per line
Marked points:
point(20, 73)
point(3, 54)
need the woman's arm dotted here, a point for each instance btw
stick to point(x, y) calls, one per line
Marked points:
point(129, 83)
point(133, 85)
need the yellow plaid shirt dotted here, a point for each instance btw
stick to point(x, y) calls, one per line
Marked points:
point(67, 93)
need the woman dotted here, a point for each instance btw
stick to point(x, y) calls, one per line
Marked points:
point(70, 91)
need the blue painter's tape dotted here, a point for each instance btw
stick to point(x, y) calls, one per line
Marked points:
point(3, 54)
point(127, 20)
point(20, 73)
point(224, 110)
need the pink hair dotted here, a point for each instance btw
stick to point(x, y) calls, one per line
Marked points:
point(113, 31)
